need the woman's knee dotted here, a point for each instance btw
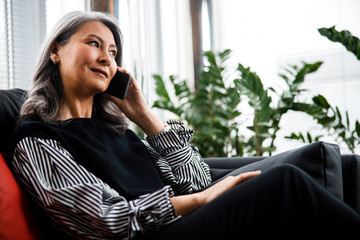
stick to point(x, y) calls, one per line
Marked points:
point(288, 169)
point(288, 174)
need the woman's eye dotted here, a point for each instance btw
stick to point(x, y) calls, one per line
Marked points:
point(94, 43)
point(113, 53)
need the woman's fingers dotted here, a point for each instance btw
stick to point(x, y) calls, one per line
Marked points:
point(245, 176)
point(226, 184)
point(133, 80)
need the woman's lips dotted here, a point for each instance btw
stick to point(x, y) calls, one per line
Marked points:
point(100, 72)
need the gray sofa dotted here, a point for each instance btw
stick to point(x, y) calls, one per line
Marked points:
point(338, 173)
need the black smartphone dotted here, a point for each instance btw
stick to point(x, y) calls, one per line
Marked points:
point(119, 85)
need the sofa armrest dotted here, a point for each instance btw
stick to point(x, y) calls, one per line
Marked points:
point(351, 179)
point(10, 104)
point(220, 166)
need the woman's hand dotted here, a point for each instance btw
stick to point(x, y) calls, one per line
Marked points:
point(225, 185)
point(135, 107)
point(186, 204)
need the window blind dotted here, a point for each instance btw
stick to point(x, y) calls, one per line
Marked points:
point(4, 82)
point(28, 30)
point(23, 27)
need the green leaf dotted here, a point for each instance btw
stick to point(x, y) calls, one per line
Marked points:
point(357, 128)
point(225, 55)
point(296, 137)
point(350, 42)
point(306, 69)
point(182, 91)
point(321, 101)
point(338, 114)
point(347, 120)
point(210, 57)
point(309, 138)
point(160, 88)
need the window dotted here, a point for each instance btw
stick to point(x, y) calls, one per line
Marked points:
point(21, 34)
point(55, 9)
point(157, 40)
point(157, 37)
point(27, 30)
point(23, 26)
point(265, 35)
point(268, 35)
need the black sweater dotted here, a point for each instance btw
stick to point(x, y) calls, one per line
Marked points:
point(122, 161)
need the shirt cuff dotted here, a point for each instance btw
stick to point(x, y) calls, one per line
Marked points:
point(151, 211)
point(172, 139)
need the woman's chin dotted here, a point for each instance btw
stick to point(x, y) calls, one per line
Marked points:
point(100, 88)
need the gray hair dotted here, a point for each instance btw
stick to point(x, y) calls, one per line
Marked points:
point(44, 97)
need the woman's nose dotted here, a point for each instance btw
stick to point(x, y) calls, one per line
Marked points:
point(105, 58)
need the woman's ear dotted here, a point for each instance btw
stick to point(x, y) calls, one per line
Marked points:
point(54, 54)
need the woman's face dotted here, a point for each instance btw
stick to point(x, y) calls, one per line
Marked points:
point(87, 62)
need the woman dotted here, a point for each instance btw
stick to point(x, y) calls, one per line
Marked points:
point(96, 180)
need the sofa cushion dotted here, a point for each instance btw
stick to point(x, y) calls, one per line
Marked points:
point(16, 221)
point(351, 180)
point(320, 160)
point(220, 166)
point(10, 104)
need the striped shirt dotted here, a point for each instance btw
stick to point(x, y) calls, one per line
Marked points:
point(85, 207)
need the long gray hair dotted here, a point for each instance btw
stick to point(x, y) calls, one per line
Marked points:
point(44, 97)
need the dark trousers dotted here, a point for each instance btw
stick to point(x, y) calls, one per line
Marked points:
point(283, 202)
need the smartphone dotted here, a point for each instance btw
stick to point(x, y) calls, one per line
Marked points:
point(119, 85)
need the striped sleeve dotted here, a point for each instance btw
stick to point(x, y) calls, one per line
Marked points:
point(180, 164)
point(80, 203)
